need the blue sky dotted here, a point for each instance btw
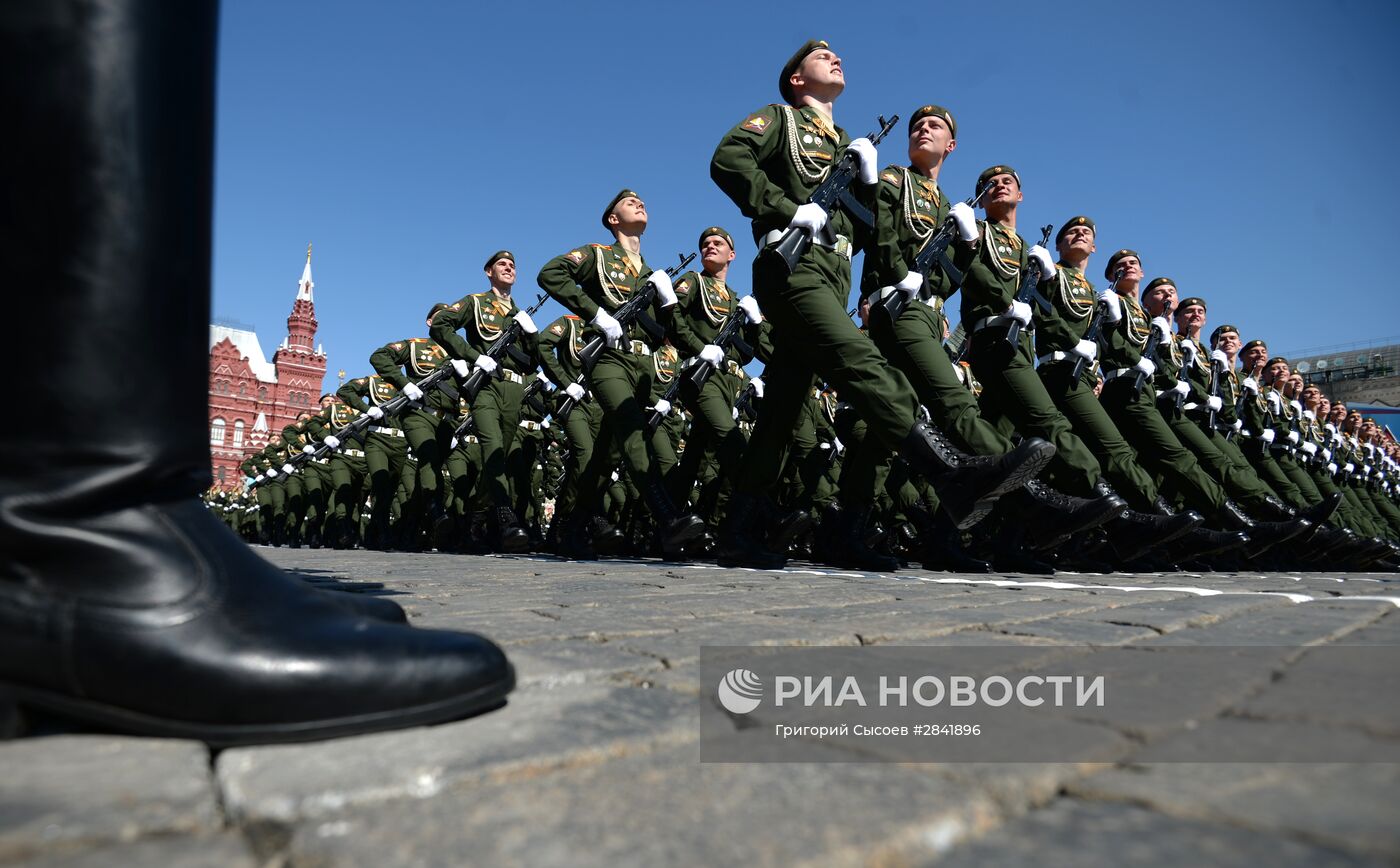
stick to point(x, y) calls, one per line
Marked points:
point(1245, 150)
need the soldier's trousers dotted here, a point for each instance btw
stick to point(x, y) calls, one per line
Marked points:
point(812, 335)
point(582, 426)
point(1096, 428)
point(1242, 484)
point(347, 478)
point(1158, 447)
point(385, 457)
point(621, 383)
point(521, 464)
point(428, 439)
point(915, 345)
point(464, 470)
point(713, 431)
point(1261, 459)
point(1013, 396)
point(497, 414)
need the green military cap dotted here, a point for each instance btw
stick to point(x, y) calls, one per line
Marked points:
point(1188, 302)
point(1156, 282)
point(1081, 220)
point(989, 174)
point(784, 86)
point(1114, 259)
point(1252, 344)
point(621, 194)
point(1220, 330)
point(498, 256)
point(937, 111)
point(715, 230)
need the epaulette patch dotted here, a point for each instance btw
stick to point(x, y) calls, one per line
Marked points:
point(417, 340)
point(756, 124)
point(682, 288)
point(573, 316)
point(556, 329)
point(602, 246)
point(456, 305)
point(398, 345)
point(890, 176)
point(574, 255)
point(360, 381)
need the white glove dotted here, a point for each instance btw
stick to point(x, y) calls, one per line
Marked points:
point(809, 216)
point(272, 472)
point(288, 469)
point(1326, 454)
point(526, 324)
point(1297, 407)
point(1275, 402)
point(1249, 384)
point(911, 283)
point(735, 413)
point(544, 423)
point(1213, 402)
point(1188, 350)
point(259, 478)
point(1267, 435)
point(1224, 360)
point(749, 305)
point(308, 449)
point(332, 441)
point(1365, 470)
point(1145, 365)
point(412, 391)
point(374, 413)
point(663, 407)
point(612, 332)
point(461, 367)
point(838, 445)
point(1164, 329)
point(1293, 438)
point(712, 355)
point(757, 383)
point(965, 220)
point(1309, 448)
point(453, 443)
point(1020, 312)
point(1047, 262)
point(1086, 350)
point(1113, 305)
point(1349, 467)
point(1332, 468)
point(1238, 426)
point(485, 363)
point(664, 291)
point(575, 391)
point(864, 149)
point(1178, 388)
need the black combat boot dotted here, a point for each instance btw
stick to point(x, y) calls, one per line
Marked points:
point(940, 543)
point(124, 604)
point(1051, 517)
point(674, 528)
point(506, 533)
point(575, 542)
point(968, 485)
point(1134, 534)
point(740, 542)
point(607, 539)
point(844, 531)
point(1263, 535)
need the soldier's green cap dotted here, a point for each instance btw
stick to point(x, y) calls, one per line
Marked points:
point(1276, 359)
point(1252, 344)
point(715, 230)
point(1220, 330)
point(1156, 282)
point(990, 173)
point(1115, 258)
point(621, 194)
point(1081, 220)
point(1188, 302)
point(784, 86)
point(498, 256)
point(937, 111)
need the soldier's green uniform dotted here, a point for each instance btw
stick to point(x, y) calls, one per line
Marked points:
point(386, 450)
point(483, 318)
point(560, 344)
point(347, 469)
point(769, 164)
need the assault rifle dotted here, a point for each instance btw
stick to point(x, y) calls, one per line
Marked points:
point(1152, 353)
point(1215, 372)
point(1095, 329)
point(700, 373)
point(478, 378)
point(468, 425)
point(835, 191)
point(1183, 376)
point(1029, 292)
point(927, 257)
point(635, 305)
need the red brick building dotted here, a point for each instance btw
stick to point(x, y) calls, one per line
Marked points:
point(251, 399)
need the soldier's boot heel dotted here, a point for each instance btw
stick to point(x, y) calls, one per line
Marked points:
point(740, 542)
point(674, 528)
point(968, 486)
point(510, 537)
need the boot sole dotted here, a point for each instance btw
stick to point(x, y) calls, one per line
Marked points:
point(1024, 472)
point(108, 717)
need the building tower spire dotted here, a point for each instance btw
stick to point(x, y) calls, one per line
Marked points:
point(301, 325)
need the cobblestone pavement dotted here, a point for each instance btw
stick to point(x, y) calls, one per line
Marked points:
point(595, 758)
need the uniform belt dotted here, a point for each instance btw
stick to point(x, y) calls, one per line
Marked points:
point(935, 302)
point(353, 453)
point(1118, 372)
point(639, 348)
point(841, 244)
point(1057, 356)
point(988, 322)
point(469, 438)
point(511, 375)
point(529, 426)
point(392, 432)
point(321, 460)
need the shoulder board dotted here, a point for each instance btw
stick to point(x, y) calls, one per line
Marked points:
point(601, 246)
point(456, 305)
point(398, 345)
point(572, 316)
point(556, 329)
point(418, 340)
point(360, 381)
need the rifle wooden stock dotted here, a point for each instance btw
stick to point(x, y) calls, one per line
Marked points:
point(1029, 292)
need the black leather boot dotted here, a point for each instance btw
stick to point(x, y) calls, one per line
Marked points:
point(1134, 534)
point(941, 547)
point(848, 548)
point(1052, 517)
point(575, 542)
point(124, 604)
point(506, 532)
point(607, 540)
point(1263, 535)
point(740, 542)
point(674, 528)
point(968, 485)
